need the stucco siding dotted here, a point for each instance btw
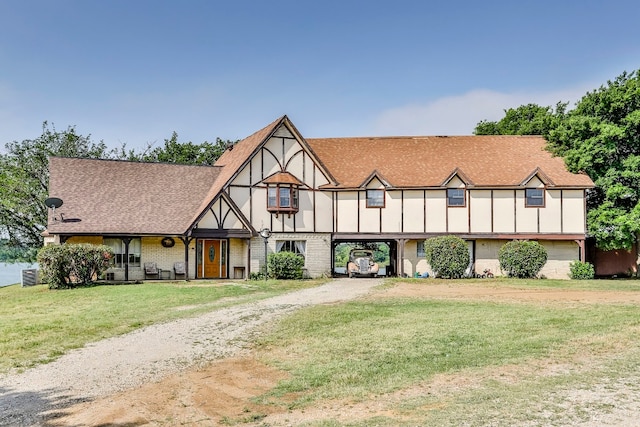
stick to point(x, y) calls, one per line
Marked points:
point(392, 214)
point(413, 215)
point(503, 211)
point(323, 213)
point(347, 215)
point(551, 214)
point(573, 211)
point(369, 217)
point(480, 208)
point(436, 217)
point(457, 220)
point(526, 218)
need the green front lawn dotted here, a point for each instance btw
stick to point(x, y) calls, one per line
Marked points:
point(38, 325)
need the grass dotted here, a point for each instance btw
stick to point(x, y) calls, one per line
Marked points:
point(39, 325)
point(445, 362)
point(361, 351)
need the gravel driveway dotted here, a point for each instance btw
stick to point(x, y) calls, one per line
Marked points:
point(149, 354)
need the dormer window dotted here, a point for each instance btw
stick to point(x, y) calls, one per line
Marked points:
point(375, 198)
point(534, 198)
point(455, 197)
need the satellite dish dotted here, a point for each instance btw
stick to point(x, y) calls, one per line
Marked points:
point(53, 202)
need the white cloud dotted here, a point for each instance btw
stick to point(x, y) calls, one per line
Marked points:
point(459, 115)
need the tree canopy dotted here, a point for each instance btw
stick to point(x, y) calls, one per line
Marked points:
point(24, 174)
point(601, 137)
point(530, 119)
point(24, 180)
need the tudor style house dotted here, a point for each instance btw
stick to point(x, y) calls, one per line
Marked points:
point(309, 195)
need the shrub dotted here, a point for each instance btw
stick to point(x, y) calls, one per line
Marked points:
point(579, 270)
point(522, 258)
point(448, 256)
point(285, 265)
point(256, 275)
point(68, 265)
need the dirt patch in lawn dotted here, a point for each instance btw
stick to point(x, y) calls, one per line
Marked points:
point(223, 393)
point(482, 292)
point(218, 394)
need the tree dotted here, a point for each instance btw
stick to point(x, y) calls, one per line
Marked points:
point(185, 152)
point(601, 137)
point(24, 180)
point(24, 174)
point(530, 119)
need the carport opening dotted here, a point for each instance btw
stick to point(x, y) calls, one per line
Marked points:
point(383, 254)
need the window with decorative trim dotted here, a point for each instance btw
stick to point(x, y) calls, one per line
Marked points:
point(534, 197)
point(375, 198)
point(282, 198)
point(119, 251)
point(455, 197)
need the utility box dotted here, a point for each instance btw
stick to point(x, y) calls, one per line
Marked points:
point(29, 277)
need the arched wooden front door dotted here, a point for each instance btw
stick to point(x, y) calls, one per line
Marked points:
point(211, 259)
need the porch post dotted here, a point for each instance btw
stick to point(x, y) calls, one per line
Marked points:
point(126, 241)
point(186, 240)
point(248, 242)
point(582, 249)
point(401, 243)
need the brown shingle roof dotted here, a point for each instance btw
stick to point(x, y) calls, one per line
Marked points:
point(485, 161)
point(119, 197)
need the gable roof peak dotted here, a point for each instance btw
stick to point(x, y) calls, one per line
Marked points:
point(537, 172)
point(457, 172)
point(376, 175)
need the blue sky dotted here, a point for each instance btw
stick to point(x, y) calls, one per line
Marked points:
point(134, 71)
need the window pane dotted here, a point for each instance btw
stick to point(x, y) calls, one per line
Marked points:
point(285, 197)
point(375, 198)
point(271, 198)
point(535, 197)
point(420, 252)
point(118, 247)
point(455, 197)
point(298, 247)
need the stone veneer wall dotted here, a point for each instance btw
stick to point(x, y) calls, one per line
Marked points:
point(318, 251)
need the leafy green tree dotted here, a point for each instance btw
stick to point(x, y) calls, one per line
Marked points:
point(530, 119)
point(601, 137)
point(187, 153)
point(24, 175)
point(24, 180)
point(16, 253)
